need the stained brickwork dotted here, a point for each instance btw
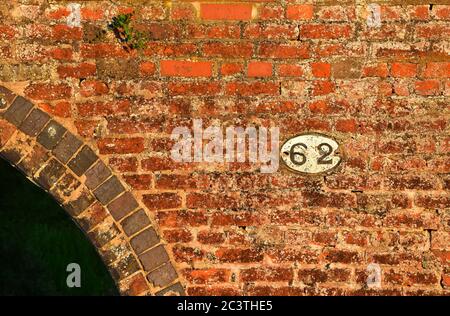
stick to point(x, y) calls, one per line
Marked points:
point(90, 122)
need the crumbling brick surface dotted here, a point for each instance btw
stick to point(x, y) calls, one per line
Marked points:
point(374, 75)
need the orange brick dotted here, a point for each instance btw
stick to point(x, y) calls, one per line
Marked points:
point(437, 70)
point(177, 68)
point(427, 87)
point(321, 70)
point(404, 70)
point(259, 69)
point(219, 11)
point(300, 12)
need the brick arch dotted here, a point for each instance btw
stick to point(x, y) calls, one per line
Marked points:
point(98, 201)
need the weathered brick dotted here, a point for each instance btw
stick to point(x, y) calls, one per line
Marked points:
point(82, 161)
point(182, 11)
point(314, 276)
point(6, 131)
point(101, 50)
point(65, 187)
point(97, 175)
point(51, 135)
point(321, 70)
point(427, 87)
point(67, 147)
point(217, 290)
point(177, 235)
point(347, 69)
point(192, 89)
point(145, 240)
point(34, 161)
point(120, 70)
point(135, 285)
point(80, 204)
point(173, 290)
point(6, 98)
point(267, 274)
point(91, 216)
point(213, 31)
point(209, 237)
point(299, 12)
point(252, 89)
point(104, 233)
point(122, 206)
point(109, 190)
point(322, 31)
point(225, 50)
point(206, 276)
point(259, 69)
point(432, 201)
point(154, 258)
point(50, 174)
point(287, 70)
point(62, 32)
point(57, 108)
point(139, 181)
point(162, 201)
point(239, 255)
point(87, 109)
point(147, 68)
point(181, 218)
point(125, 267)
point(93, 33)
point(135, 222)
point(80, 71)
point(437, 70)
point(163, 275)
point(18, 111)
point(121, 145)
point(342, 256)
point(186, 68)
point(48, 91)
point(89, 88)
point(412, 182)
point(219, 11)
point(34, 122)
point(403, 70)
point(284, 51)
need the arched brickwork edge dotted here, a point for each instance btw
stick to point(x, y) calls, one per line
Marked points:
point(70, 171)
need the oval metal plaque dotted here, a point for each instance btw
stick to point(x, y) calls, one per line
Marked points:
point(311, 153)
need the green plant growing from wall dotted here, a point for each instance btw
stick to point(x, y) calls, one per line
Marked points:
point(126, 34)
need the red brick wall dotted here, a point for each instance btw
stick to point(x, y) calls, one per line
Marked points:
point(299, 65)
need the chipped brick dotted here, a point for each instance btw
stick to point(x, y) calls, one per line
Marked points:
point(67, 147)
point(50, 174)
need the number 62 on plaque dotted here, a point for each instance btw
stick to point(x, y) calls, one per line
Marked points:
point(311, 153)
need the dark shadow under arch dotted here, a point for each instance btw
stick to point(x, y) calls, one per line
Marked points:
point(38, 239)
